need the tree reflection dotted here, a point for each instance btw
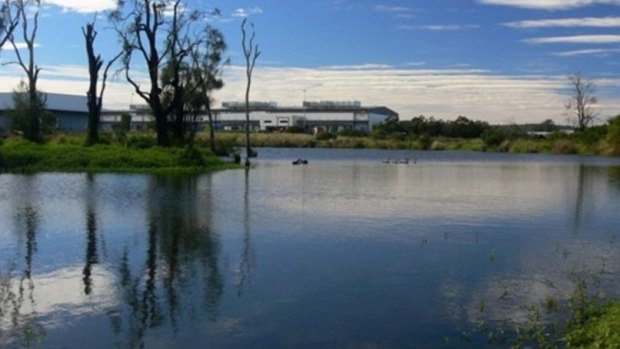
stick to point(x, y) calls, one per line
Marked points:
point(180, 248)
point(246, 262)
point(18, 310)
point(91, 236)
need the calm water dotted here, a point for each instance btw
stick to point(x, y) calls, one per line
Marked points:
point(346, 252)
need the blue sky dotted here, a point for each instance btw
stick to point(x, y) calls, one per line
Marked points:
point(501, 61)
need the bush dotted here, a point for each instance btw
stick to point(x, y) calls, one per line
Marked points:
point(492, 137)
point(324, 136)
point(353, 133)
point(564, 146)
point(437, 145)
point(141, 141)
point(295, 129)
point(613, 136)
point(425, 142)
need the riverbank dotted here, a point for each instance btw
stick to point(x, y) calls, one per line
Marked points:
point(599, 331)
point(67, 154)
point(564, 145)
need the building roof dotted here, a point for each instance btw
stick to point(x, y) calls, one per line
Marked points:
point(311, 108)
point(55, 102)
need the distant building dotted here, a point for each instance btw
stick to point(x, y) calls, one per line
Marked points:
point(317, 116)
point(72, 114)
point(71, 111)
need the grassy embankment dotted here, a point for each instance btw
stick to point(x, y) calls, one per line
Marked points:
point(601, 330)
point(66, 153)
point(567, 144)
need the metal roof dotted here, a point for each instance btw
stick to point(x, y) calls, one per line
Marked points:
point(55, 102)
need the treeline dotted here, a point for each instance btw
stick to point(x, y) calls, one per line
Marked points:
point(462, 127)
point(183, 56)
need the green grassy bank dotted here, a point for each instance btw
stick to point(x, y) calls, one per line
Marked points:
point(67, 154)
point(601, 330)
point(556, 145)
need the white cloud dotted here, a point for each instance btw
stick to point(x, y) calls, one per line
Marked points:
point(19, 45)
point(443, 93)
point(393, 9)
point(549, 4)
point(245, 12)
point(596, 22)
point(587, 52)
point(576, 39)
point(407, 88)
point(83, 6)
point(448, 27)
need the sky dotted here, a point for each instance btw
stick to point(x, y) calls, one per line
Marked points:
point(501, 61)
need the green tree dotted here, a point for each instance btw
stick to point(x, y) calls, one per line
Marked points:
point(162, 34)
point(22, 108)
point(212, 67)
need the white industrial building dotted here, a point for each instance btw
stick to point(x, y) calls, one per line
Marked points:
point(317, 116)
point(72, 114)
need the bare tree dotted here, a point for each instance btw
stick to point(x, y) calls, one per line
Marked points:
point(35, 99)
point(9, 20)
point(251, 54)
point(580, 106)
point(95, 97)
point(160, 32)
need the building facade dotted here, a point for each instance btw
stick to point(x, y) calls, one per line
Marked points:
point(72, 115)
point(71, 111)
point(316, 116)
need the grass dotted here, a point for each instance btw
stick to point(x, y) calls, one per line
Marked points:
point(67, 154)
point(601, 330)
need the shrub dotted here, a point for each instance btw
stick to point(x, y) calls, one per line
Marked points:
point(425, 142)
point(613, 136)
point(437, 145)
point(564, 146)
point(141, 141)
point(505, 146)
point(492, 137)
point(295, 129)
point(324, 136)
point(353, 133)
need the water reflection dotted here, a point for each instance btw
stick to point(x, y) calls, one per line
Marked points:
point(246, 260)
point(351, 253)
point(181, 258)
point(19, 321)
point(91, 255)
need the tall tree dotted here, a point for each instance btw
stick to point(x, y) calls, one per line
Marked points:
point(95, 97)
point(162, 34)
point(212, 68)
point(9, 20)
point(28, 11)
point(251, 54)
point(580, 106)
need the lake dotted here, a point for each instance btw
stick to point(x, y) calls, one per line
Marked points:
point(345, 252)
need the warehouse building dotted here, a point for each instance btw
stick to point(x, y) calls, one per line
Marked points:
point(71, 111)
point(317, 116)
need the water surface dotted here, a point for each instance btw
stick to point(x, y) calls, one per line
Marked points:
point(345, 252)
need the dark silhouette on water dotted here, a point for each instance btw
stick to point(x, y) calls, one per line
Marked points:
point(300, 162)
